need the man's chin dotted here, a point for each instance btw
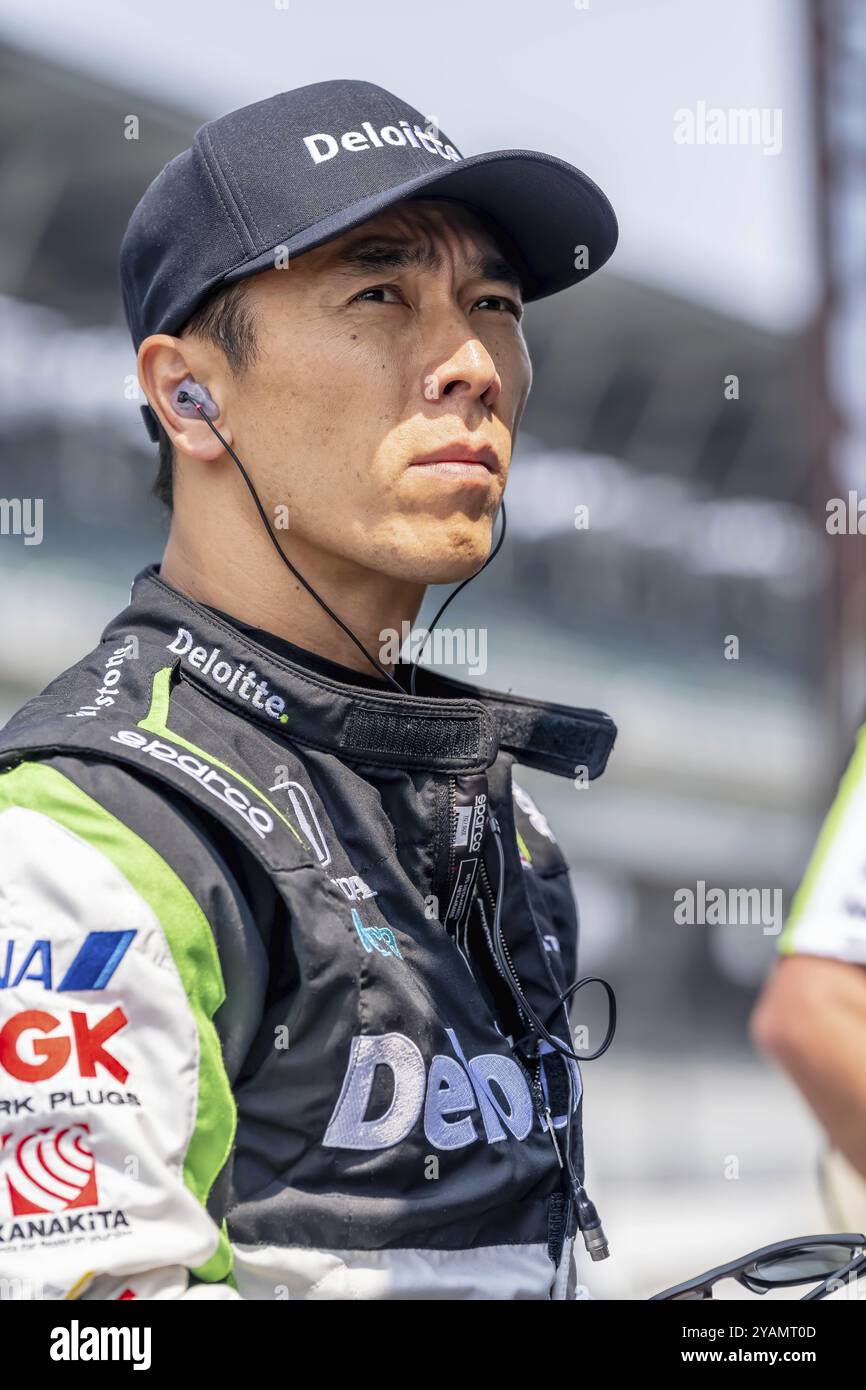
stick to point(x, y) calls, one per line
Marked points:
point(443, 560)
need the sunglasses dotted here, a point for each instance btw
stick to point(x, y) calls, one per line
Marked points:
point(821, 1260)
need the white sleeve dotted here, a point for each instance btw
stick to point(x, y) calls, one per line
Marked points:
point(109, 1061)
point(828, 914)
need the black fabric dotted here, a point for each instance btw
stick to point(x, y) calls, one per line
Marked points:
point(301, 656)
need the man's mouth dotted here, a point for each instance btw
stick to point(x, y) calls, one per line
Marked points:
point(476, 463)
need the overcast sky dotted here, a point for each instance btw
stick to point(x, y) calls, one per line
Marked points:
point(729, 225)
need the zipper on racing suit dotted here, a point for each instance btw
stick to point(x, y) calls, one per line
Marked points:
point(470, 896)
point(470, 891)
point(538, 1097)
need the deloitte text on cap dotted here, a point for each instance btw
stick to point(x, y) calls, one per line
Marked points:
point(305, 166)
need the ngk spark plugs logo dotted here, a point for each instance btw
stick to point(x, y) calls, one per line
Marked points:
point(36, 1044)
point(49, 1170)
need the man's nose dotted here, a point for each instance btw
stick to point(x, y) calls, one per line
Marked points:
point(467, 369)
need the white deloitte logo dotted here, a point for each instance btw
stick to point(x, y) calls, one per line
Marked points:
point(454, 1084)
point(256, 817)
point(246, 684)
point(323, 146)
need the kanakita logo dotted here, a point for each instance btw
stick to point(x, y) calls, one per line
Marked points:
point(323, 146)
point(454, 1085)
point(49, 1170)
point(105, 1222)
point(256, 817)
point(93, 965)
point(32, 1050)
point(237, 680)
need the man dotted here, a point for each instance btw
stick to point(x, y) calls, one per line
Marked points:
point(812, 1014)
point(285, 954)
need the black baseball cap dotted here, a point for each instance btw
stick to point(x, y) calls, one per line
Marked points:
point(286, 174)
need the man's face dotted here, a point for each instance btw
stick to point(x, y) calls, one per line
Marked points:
point(399, 339)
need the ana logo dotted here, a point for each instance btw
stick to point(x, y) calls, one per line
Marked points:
point(256, 817)
point(37, 1058)
point(92, 967)
point(49, 1170)
point(455, 1086)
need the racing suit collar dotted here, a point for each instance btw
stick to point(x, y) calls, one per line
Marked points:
point(448, 726)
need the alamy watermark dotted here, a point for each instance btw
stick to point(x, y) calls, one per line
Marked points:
point(744, 907)
point(846, 516)
point(444, 646)
point(712, 125)
point(22, 516)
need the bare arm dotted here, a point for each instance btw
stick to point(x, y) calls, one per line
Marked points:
point(811, 1018)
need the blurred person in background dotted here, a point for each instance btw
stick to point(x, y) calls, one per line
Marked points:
point(286, 954)
point(811, 1016)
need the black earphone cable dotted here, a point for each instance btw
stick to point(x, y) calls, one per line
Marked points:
point(492, 556)
point(588, 1219)
point(183, 397)
point(564, 998)
point(519, 997)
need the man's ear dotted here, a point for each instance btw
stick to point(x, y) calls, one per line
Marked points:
point(163, 363)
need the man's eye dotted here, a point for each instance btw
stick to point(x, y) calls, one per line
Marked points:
point(377, 290)
point(511, 306)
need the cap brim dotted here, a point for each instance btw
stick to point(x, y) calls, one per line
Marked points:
point(560, 223)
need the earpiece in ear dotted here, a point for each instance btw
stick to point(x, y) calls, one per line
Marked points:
point(190, 391)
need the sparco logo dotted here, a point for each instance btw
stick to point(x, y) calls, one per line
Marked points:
point(454, 1085)
point(324, 146)
point(469, 824)
point(478, 823)
point(256, 817)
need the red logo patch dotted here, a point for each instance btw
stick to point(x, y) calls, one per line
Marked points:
point(50, 1170)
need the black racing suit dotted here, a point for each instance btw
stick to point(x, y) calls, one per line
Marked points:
point(254, 1037)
